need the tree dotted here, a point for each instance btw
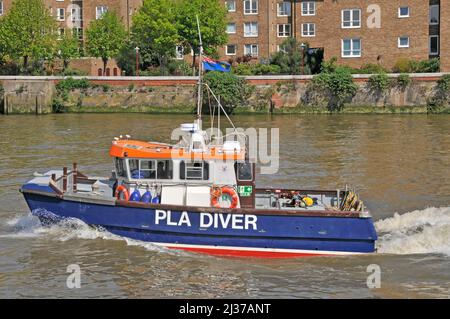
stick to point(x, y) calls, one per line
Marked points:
point(68, 48)
point(155, 30)
point(212, 15)
point(28, 31)
point(105, 37)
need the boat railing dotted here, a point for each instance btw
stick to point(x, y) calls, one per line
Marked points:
point(68, 181)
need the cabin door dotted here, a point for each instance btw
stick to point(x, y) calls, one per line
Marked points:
point(245, 176)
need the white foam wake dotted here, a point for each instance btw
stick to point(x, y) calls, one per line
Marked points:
point(29, 226)
point(424, 231)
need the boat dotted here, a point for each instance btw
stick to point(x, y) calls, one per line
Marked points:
point(200, 195)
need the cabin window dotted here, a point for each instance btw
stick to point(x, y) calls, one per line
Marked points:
point(120, 167)
point(151, 169)
point(194, 171)
point(244, 171)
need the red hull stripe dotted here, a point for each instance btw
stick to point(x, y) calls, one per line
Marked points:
point(256, 253)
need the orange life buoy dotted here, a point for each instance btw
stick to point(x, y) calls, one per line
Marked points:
point(225, 190)
point(121, 189)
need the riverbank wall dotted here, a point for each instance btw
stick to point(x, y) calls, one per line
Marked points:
point(278, 94)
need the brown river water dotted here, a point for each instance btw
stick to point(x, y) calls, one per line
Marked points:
point(399, 164)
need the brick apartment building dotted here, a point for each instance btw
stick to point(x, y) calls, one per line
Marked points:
point(354, 31)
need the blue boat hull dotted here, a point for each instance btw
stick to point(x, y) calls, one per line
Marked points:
point(261, 235)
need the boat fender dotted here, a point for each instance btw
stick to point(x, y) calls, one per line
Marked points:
point(147, 197)
point(122, 193)
point(135, 196)
point(155, 200)
point(229, 191)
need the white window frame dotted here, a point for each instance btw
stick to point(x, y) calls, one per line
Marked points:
point(104, 10)
point(281, 49)
point(58, 15)
point(228, 8)
point(400, 42)
point(351, 48)
point(235, 27)
point(235, 49)
point(400, 12)
point(251, 49)
point(284, 33)
point(251, 12)
point(308, 34)
point(429, 45)
point(280, 6)
point(306, 8)
point(352, 20)
point(251, 34)
point(439, 14)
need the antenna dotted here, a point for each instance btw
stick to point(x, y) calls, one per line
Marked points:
point(200, 74)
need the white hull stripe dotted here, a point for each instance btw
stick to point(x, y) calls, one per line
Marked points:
point(274, 250)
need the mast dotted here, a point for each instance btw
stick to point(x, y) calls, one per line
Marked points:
point(200, 76)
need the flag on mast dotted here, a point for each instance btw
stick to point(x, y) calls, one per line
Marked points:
point(213, 65)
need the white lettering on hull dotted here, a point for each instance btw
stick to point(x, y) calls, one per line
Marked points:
point(208, 220)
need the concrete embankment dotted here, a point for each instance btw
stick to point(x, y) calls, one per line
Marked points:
point(280, 94)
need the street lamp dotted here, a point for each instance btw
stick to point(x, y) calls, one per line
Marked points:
point(303, 47)
point(137, 60)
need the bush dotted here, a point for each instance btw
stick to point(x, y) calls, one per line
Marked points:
point(372, 68)
point(233, 90)
point(337, 85)
point(256, 69)
point(441, 97)
point(62, 91)
point(180, 68)
point(379, 83)
point(72, 72)
point(403, 81)
point(402, 65)
point(405, 65)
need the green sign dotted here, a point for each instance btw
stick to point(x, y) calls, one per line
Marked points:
point(245, 191)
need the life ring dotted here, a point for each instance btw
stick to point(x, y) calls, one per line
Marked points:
point(121, 189)
point(224, 190)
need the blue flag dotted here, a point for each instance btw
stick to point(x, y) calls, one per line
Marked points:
point(212, 65)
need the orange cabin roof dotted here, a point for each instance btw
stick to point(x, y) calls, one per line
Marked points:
point(152, 150)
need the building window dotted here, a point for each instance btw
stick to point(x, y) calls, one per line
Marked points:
point(100, 11)
point(284, 30)
point(403, 12)
point(308, 8)
point(251, 29)
point(60, 14)
point(230, 49)
point(194, 170)
point(61, 32)
point(250, 6)
point(434, 45)
point(281, 48)
point(351, 18)
point(231, 28)
point(179, 52)
point(403, 42)
point(78, 32)
point(434, 14)
point(251, 49)
point(231, 6)
point(1, 7)
point(308, 30)
point(351, 48)
point(76, 14)
point(284, 9)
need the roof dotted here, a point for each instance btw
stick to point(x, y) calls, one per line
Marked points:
point(154, 150)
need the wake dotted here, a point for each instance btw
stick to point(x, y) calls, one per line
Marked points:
point(424, 231)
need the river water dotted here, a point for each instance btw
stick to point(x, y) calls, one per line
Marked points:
point(399, 164)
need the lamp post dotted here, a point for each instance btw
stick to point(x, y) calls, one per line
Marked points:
point(303, 47)
point(137, 60)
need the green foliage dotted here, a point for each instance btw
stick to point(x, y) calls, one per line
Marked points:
point(126, 59)
point(179, 67)
point(105, 37)
point(28, 32)
point(379, 83)
point(403, 81)
point(441, 97)
point(295, 60)
point(62, 92)
point(68, 48)
point(155, 31)
point(337, 85)
point(256, 69)
point(131, 87)
point(405, 65)
point(372, 68)
point(212, 15)
point(233, 90)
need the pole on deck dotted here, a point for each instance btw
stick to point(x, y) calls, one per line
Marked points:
point(74, 174)
point(64, 179)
